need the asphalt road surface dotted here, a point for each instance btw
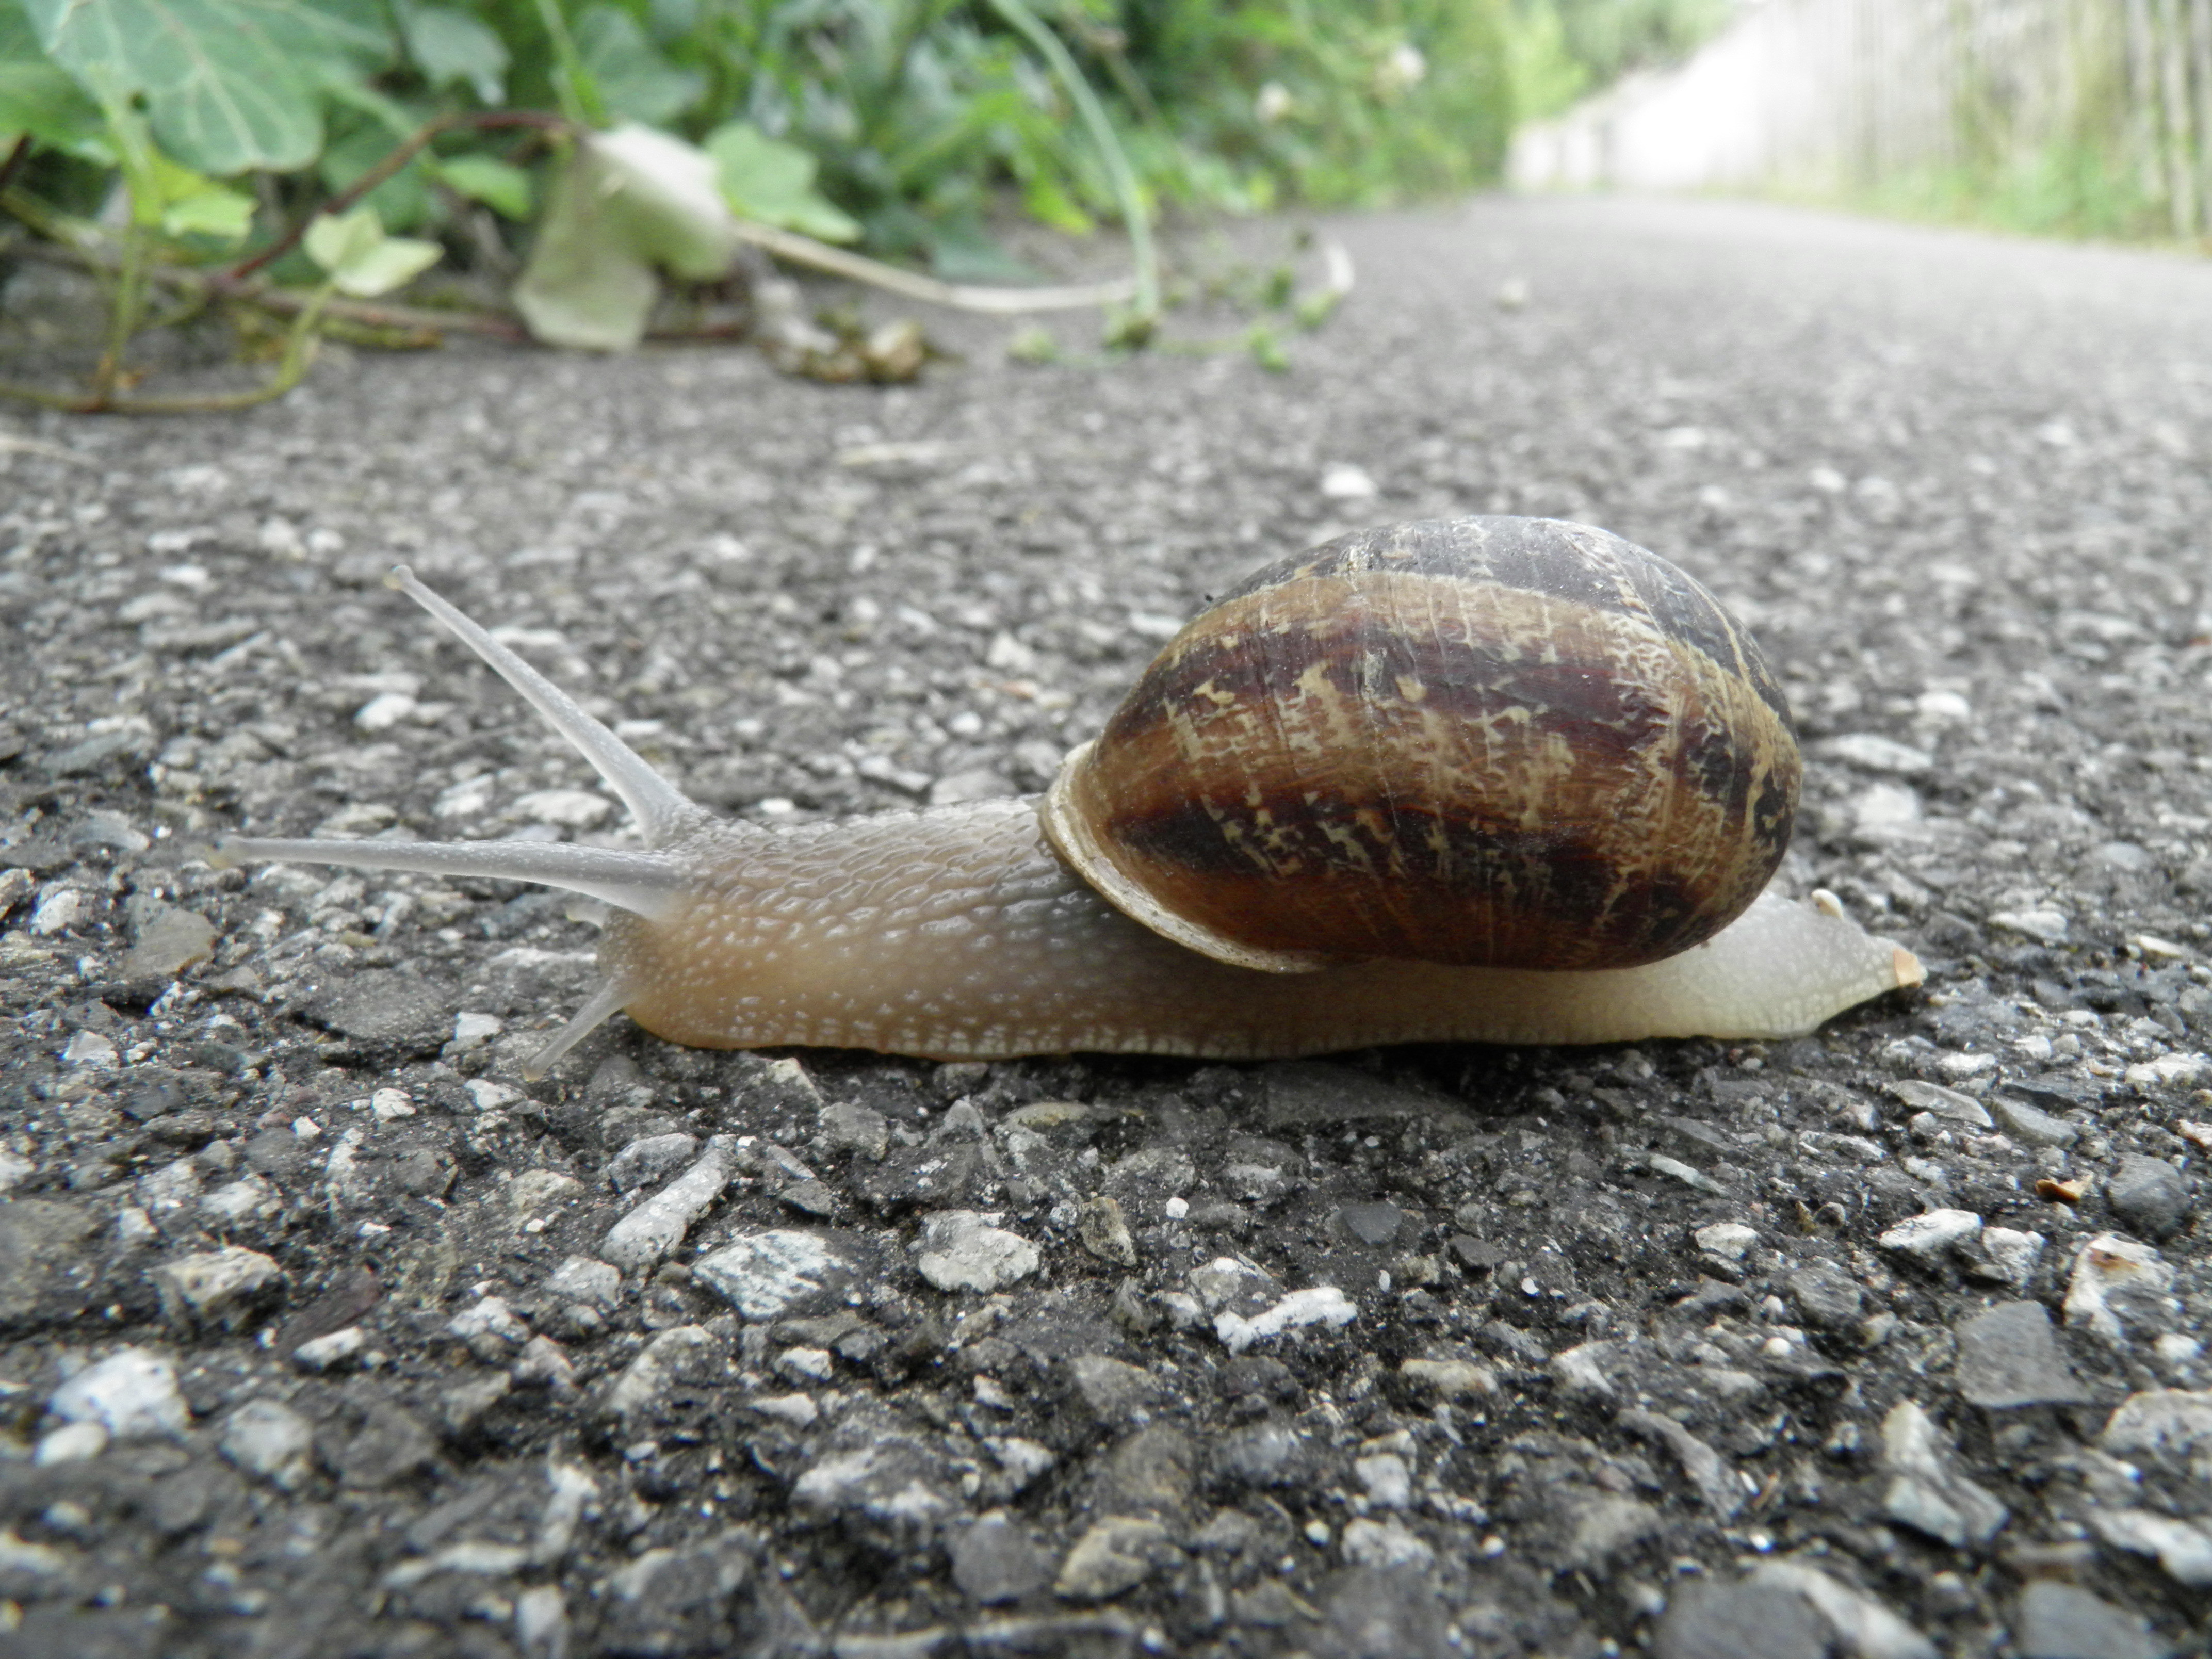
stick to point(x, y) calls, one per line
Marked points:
point(321, 1337)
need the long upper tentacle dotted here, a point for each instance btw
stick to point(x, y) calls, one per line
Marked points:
point(660, 807)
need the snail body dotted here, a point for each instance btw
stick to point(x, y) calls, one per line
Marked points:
point(1584, 911)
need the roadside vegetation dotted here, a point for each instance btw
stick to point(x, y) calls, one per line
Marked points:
point(561, 167)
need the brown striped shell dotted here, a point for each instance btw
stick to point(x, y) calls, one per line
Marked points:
point(1510, 742)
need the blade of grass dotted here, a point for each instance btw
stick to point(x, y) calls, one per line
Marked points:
point(1146, 305)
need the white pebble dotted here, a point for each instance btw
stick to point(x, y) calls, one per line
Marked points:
point(131, 1392)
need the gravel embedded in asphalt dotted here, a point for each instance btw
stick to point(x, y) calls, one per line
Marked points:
point(324, 1331)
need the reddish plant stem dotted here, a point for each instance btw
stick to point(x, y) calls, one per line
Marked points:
point(406, 151)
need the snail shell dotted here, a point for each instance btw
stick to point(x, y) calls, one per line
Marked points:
point(1509, 743)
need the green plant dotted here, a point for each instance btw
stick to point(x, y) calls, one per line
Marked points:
point(633, 142)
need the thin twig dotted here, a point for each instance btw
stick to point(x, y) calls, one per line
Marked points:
point(959, 296)
point(406, 151)
point(13, 164)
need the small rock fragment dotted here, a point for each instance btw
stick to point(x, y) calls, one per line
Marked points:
point(2184, 1548)
point(1450, 1379)
point(996, 1560)
point(226, 1287)
point(1376, 1223)
point(2149, 1194)
point(168, 942)
point(2030, 1123)
point(679, 1354)
point(1117, 1553)
point(1947, 1103)
point(654, 1158)
point(2119, 1283)
point(1784, 1610)
point(1925, 1492)
point(1926, 1237)
point(1825, 1296)
point(580, 1279)
point(1385, 1544)
point(2010, 1255)
point(1105, 1231)
point(130, 1394)
point(269, 1438)
point(854, 1129)
point(2167, 1424)
point(332, 1352)
point(655, 1227)
point(2009, 1356)
point(961, 1252)
point(1324, 1304)
point(766, 1275)
point(2056, 1620)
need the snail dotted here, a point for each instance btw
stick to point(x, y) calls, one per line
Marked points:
point(1492, 779)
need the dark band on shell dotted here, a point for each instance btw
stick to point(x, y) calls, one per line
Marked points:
point(1503, 741)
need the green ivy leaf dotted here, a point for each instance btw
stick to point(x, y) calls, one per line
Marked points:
point(628, 201)
point(449, 45)
point(362, 260)
point(192, 204)
point(634, 80)
point(41, 101)
point(769, 181)
point(498, 184)
point(228, 84)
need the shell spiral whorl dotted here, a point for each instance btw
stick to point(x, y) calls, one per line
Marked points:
point(1503, 742)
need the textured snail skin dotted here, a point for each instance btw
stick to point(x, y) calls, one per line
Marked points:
point(959, 933)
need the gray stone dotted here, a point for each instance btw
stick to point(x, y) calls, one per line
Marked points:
point(392, 1015)
point(167, 942)
point(1928, 1236)
point(580, 1279)
point(2184, 1548)
point(1300, 1091)
point(2149, 1195)
point(1784, 1610)
point(768, 1275)
point(652, 1159)
point(2009, 1356)
point(1825, 1296)
point(1104, 1230)
point(1116, 1554)
point(893, 1482)
point(391, 1445)
point(1371, 1223)
point(657, 1226)
point(682, 1355)
point(996, 1560)
point(228, 1287)
point(1947, 1103)
point(44, 1274)
point(1114, 1392)
point(1925, 1492)
point(1746, 1619)
point(132, 1392)
point(2054, 1620)
point(2167, 1426)
point(961, 1252)
point(854, 1129)
point(1386, 1611)
point(2030, 1123)
point(269, 1438)
point(2121, 1289)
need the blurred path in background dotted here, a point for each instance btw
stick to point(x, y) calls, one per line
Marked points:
point(2076, 117)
